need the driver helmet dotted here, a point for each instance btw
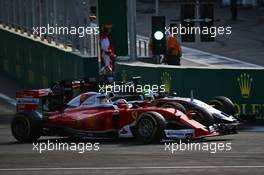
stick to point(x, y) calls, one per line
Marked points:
point(148, 94)
point(103, 99)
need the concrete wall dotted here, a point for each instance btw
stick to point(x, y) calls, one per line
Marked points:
point(39, 64)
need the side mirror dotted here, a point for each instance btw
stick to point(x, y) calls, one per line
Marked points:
point(174, 94)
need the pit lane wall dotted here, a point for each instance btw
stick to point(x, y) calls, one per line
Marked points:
point(38, 64)
point(243, 86)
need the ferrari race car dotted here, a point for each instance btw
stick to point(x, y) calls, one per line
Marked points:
point(219, 110)
point(93, 114)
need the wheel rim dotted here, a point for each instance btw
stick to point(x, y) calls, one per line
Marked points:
point(146, 127)
point(21, 128)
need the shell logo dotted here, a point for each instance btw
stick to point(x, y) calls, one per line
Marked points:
point(91, 122)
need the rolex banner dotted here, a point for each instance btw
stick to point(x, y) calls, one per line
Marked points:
point(243, 86)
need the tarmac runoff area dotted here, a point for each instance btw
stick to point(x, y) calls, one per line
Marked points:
point(197, 58)
point(238, 154)
point(213, 60)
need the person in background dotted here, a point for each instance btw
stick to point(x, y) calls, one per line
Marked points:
point(107, 48)
point(157, 59)
point(174, 51)
point(108, 55)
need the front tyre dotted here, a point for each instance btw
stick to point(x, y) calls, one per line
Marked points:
point(223, 104)
point(175, 105)
point(202, 116)
point(150, 127)
point(26, 127)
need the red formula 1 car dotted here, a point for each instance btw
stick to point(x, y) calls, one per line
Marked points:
point(93, 114)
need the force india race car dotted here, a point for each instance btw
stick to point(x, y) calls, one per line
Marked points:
point(92, 114)
point(219, 110)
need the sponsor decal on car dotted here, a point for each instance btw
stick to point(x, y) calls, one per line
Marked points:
point(91, 122)
point(125, 132)
point(134, 114)
point(27, 101)
point(180, 134)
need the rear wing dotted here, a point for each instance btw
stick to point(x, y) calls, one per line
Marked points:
point(70, 88)
point(30, 100)
point(55, 97)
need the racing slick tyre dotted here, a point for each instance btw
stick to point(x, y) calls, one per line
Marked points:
point(174, 105)
point(150, 127)
point(223, 104)
point(202, 116)
point(26, 126)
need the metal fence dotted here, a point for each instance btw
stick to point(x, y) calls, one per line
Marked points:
point(142, 46)
point(25, 15)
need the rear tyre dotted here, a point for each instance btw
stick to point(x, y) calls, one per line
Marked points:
point(150, 127)
point(175, 105)
point(223, 104)
point(26, 127)
point(202, 116)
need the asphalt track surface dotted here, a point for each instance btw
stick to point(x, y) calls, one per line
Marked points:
point(129, 157)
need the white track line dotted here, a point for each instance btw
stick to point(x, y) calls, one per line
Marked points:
point(219, 57)
point(8, 99)
point(131, 168)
